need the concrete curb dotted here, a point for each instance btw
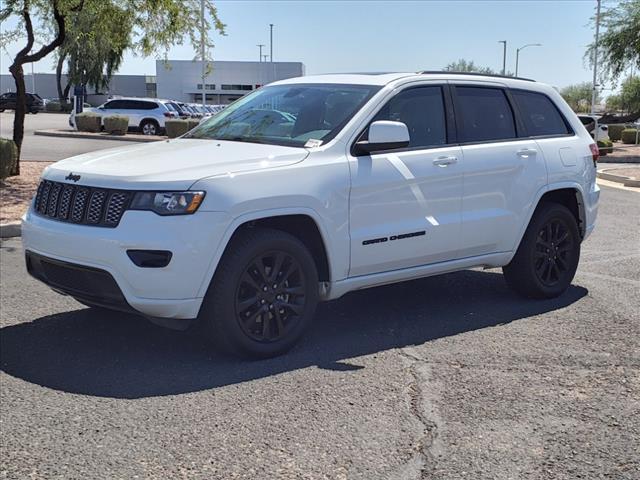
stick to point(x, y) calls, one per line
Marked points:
point(626, 181)
point(629, 159)
point(10, 230)
point(99, 136)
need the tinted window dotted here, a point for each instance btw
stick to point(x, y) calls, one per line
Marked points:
point(422, 111)
point(485, 114)
point(540, 115)
point(115, 104)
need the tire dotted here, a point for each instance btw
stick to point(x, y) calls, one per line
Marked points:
point(546, 260)
point(149, 127)
point(276, 318)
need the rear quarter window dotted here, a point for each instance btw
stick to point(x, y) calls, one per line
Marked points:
point(540, 115)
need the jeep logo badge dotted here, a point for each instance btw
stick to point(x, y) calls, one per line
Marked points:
point(73, 177)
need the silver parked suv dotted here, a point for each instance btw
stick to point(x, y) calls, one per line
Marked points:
point(146, 114)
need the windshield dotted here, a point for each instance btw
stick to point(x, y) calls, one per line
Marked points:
point(287, 114)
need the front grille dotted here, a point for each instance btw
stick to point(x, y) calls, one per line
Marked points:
point(82, 205)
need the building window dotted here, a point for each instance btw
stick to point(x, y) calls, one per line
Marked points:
point(199, 86)
point(237, 87)
point(210, 86)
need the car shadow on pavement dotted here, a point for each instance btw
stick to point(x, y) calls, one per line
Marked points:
point(111, 354)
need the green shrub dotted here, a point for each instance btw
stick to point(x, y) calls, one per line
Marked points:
point(8, 157)
point(116, 124)
point(629, 135)
point(66, 107)
point(88, 122)
point(176, 128)
point(193, 123)
point(615, 131)
point(52, 107)
point(605, 146)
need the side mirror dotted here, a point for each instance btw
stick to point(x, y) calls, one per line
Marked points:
point(384, 135)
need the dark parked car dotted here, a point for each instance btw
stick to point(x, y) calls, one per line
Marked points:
point(8, 102)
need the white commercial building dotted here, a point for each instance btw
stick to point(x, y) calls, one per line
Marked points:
point(227, 81)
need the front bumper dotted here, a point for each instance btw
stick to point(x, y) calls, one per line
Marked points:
point(174, 291)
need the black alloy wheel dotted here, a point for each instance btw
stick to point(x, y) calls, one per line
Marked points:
point(547, 258)
point(263, 295)
point(270, 298)
point(554, 245)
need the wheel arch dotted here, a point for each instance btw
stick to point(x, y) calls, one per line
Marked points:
point(149, 119)
point(302, 223)
point(569, 194)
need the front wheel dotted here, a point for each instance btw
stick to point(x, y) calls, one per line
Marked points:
point(547, 258)
point(263, 295)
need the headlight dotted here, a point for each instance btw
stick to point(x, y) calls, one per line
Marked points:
point(167, 203)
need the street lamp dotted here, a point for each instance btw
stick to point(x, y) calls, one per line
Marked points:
point(504, 57)
point(522, 48)
point(260, 45)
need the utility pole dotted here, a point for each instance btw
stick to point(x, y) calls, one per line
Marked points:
point(594, 93)
point(504, 57)
point(202, 53)
point(271, 42)
point(260, 45)
point(264, 57)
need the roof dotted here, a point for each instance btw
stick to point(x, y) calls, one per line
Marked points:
point(382, 79)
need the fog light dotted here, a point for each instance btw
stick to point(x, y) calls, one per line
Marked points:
point(150, 258)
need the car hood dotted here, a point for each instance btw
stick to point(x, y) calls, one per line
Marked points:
point(170, 164)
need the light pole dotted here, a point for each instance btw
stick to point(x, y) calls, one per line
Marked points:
point(202, 53)
point(260, 45)
point(504, 57)
point(594, 93)
point(522, 48)
point(264, 57)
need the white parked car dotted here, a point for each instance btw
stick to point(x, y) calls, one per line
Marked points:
point(312, 187)
point(589, 122)
point(145, 114)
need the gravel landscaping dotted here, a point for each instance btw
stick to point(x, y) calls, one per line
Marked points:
point(17, 192)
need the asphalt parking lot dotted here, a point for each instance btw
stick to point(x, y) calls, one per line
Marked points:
point(450, 377)
point(51, 149)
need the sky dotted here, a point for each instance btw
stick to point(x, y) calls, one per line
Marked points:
point(362, 36)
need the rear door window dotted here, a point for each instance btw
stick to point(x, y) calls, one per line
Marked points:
point(484, 114)
point(539, 114)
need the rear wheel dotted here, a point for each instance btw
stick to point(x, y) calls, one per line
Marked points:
point(547, 258)
point(149, 127)
point(263, 295)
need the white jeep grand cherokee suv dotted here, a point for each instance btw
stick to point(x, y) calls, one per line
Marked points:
point(312, 187)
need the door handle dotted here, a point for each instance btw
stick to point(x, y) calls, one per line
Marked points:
point(527, 152)
point(444, 161)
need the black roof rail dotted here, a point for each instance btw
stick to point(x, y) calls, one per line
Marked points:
point(477, 74)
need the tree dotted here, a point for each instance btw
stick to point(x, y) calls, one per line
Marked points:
point(94, 46)
point(463, 65)
point(154, 26)
point(619, 44)
point(614, 102)
point(30, 13)
point(578, 96)
point(94, 49)
point(630, 94)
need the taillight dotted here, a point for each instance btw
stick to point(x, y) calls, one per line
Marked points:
point(595, 153)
